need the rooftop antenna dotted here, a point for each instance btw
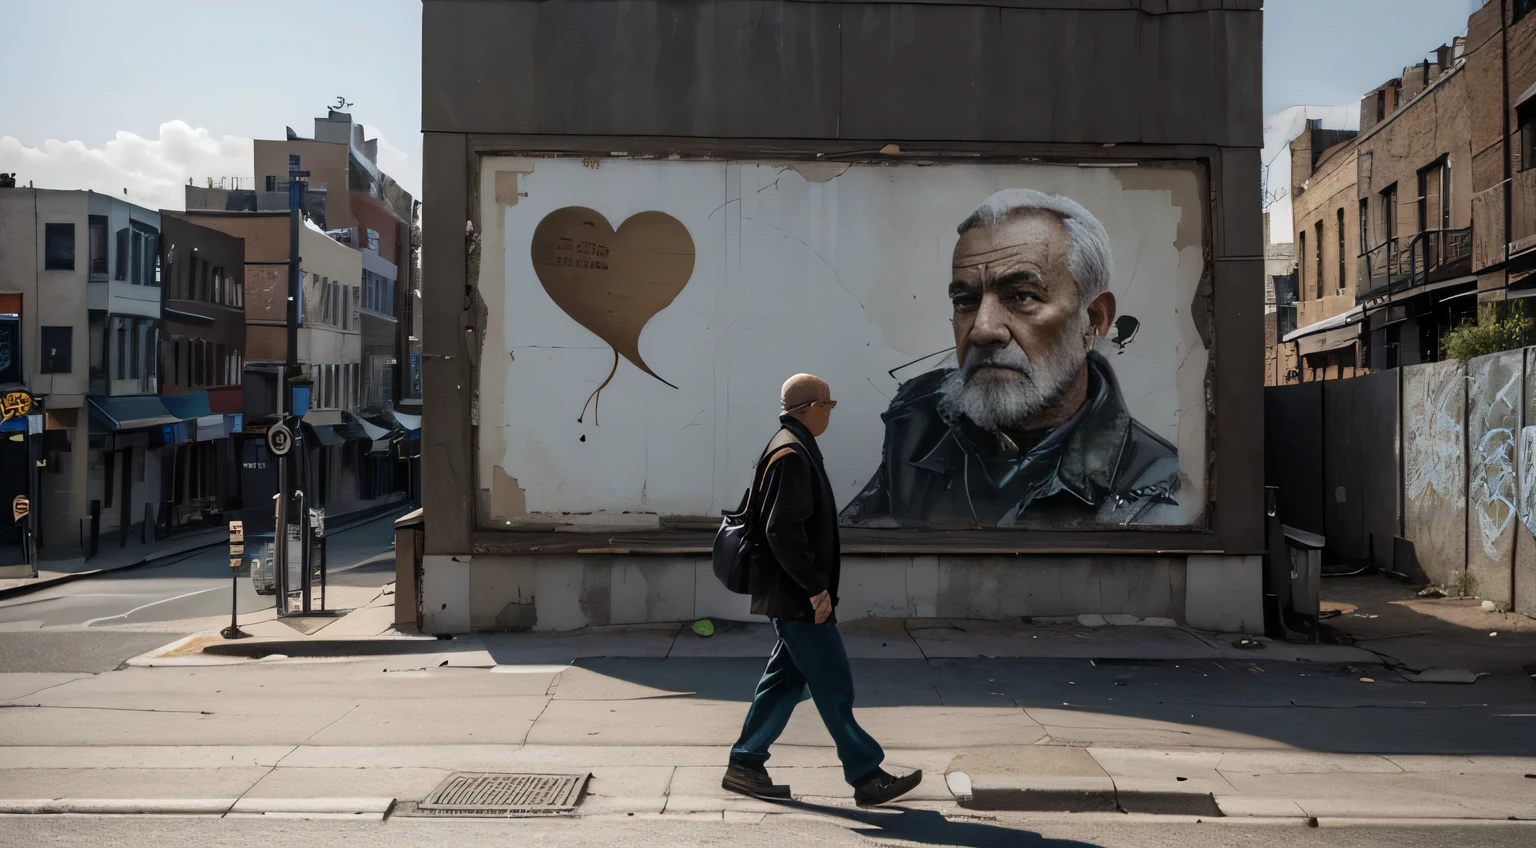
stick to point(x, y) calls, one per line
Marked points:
point(341, 103)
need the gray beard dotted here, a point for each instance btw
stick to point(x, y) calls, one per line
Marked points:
point(1005, 400)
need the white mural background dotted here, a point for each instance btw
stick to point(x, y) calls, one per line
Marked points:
point(843, 275)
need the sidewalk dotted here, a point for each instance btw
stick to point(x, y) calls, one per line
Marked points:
point(110, 557)
point(1140, 719)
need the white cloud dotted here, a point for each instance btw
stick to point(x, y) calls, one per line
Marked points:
point(154, 171)
point(1279, 129)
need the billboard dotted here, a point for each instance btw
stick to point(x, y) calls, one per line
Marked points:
point(1010, 345)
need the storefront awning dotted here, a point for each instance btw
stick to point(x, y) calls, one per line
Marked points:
point(323, 417)
point(210, 427)
point(410, 423)
point(132, 412)
point(326, 436)
point(1335, 339)
point(373, 431)
point(188, 406)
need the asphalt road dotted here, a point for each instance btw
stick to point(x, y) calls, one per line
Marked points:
point(860, 829)
point(77, 626)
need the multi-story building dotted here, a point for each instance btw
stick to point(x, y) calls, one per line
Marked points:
point(80, 273)
point(1414, 210)
point(202, 360)
point(1279, 308)
point(367, 210)
point(1323, 174)
point(1501, 70)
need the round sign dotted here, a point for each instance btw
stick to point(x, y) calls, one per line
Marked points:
point(279, 440)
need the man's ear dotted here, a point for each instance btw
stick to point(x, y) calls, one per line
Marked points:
point(1101, 313)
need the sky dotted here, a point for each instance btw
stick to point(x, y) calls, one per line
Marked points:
point(89, 116)
point(99, 108)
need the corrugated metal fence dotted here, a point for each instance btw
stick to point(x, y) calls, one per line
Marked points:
point(1440, 455)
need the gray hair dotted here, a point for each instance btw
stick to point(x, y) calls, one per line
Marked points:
point(1089, 261)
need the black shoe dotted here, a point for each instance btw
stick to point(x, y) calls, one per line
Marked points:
point(883, 787)
point(753, 781)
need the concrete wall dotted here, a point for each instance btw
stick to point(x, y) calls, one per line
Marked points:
point(1434, 467)
point(797, 82)
point(1495, 406)
point(486, 593)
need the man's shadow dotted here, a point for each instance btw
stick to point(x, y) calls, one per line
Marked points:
point(931, 828)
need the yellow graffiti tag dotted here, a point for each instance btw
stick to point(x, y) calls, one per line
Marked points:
point(14, 405)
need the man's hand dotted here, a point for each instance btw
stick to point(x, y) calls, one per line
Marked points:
point(822, 604)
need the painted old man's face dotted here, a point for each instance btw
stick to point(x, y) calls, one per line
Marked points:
point(1022, 332)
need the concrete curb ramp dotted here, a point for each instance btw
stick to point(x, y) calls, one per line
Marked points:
point(370, 809)
point(1074, 794)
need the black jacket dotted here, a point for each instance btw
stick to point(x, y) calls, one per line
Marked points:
point(799, 516)
point(1099, 467)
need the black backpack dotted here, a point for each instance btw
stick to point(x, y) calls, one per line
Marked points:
point(739, 541)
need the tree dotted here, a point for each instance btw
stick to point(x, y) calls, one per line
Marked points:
point(1267, 196)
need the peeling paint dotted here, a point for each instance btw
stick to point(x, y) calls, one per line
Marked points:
point(508, 500)
point(819, 172)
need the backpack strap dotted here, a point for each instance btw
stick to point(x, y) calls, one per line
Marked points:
point(777, 449)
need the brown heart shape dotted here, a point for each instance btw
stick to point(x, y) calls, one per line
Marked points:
point(613, 282)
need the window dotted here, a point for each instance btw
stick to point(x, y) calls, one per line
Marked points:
point(135, 364)
point(373, 241)
point(1341, 248)
point(122, 347)
point(59, 247)
point(1381, 104)
point(122, 255)
point(138, 258)
point(58, 345)
point(98, 244)
point(1526, 114)
point(218, 284)
point(1317, 255)
point(1389, 213)
point(1365, 220)
point(1301, 267)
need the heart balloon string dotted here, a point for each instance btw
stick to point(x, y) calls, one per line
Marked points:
point(596, 396)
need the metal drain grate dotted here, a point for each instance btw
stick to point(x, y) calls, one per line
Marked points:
point(502, 794)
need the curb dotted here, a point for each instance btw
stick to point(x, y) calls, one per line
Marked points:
point(1065, 794)
point(372, 808)
point(48, 583)
point(119, 806)
point(351, 808)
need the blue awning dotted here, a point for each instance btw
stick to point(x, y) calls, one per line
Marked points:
point(411, 424)
point(132, 412)
point(188, 406)
point(324, 435)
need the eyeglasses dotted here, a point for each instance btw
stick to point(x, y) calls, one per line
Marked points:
point(829, 404)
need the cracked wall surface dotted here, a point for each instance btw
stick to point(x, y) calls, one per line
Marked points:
point(839, 270)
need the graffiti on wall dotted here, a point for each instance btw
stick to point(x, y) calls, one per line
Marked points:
point(1433, 434)
point(1030, 422)
point(1494, 384)
point(972, 321)
point(612, 282)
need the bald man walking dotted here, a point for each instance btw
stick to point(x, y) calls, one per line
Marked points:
point(796, 587)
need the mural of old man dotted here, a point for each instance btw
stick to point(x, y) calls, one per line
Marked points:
point(1031, 428)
